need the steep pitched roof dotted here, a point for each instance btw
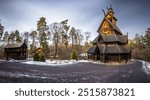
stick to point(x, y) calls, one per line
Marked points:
point(115, 27)
point(93, 50)
point(123, 38)
point(95, 40)
point(114, 38)
point(15, 45)
point(114, 49)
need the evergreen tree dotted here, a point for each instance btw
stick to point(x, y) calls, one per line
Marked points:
point(18, 38)
point(74, 55)
point(6, 37)
point(146, 39)
point(12, 38)
point(26, 38)
point(42, 29)
point(33, 36)
point(72, 35)
point(65, 35)
point(1, 31)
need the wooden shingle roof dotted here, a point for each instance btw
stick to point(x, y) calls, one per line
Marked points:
point(115, 27)
point(114, 49)
point(15, 45)
point(111, 38)
point(93, 50)
point(95, 41)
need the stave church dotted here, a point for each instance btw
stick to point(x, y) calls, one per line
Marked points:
point(110, 45)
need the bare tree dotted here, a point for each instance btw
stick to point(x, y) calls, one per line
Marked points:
point(87, 36)
point(56, 29)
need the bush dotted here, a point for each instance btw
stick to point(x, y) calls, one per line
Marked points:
point(42, 58)
point(74, 55)
point(36, 57)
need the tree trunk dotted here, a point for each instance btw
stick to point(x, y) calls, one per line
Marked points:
point(56, 47)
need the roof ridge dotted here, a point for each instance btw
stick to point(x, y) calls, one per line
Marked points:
point(115, 36)
point(118, 48)
point(113, 26)
point(103, 37)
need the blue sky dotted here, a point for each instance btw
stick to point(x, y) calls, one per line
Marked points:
point(133, 15)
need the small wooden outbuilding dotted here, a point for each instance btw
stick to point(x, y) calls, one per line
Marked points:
point(17, 51)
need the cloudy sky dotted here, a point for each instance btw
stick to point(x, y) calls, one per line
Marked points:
point(133, 15)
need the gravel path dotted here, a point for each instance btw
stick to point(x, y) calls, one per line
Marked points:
point(16, 72)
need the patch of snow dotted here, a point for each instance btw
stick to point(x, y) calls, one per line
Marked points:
point(86, 61)
point(55, 62)
point(13, 60)
point(83, 54)
point(146, 66)
point(2, 60)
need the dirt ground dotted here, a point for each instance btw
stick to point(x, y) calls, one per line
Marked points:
point(17, 72)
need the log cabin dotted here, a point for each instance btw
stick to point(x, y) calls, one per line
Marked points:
point(17, 51)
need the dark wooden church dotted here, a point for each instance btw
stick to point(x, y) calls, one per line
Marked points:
point(16, 51)
point(110, 44)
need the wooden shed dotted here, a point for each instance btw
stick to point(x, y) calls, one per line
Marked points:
point(16, 51)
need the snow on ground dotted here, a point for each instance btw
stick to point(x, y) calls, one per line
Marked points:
point(1, 60)
point(146, 66)
point(64, 62)
point(55, 62)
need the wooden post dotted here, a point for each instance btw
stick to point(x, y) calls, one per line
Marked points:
point(6, 56)
point(119, 58)
point(126, 57)
point(100, 57)
point(104, 58)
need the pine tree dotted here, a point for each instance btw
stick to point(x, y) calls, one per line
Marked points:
point(6, 37)
point(18, 38)
point(12, 38)
point(1, 31)
point(74, 55)
point(42, 29)
point(72, 35)
point(33, 36)
point(65, 35)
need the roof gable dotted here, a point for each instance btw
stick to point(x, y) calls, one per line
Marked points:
point(111, 26)
point(111, 21)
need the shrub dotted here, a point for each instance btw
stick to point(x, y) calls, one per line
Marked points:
point(74, 55)
point(36, 57)
point(42, 58)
